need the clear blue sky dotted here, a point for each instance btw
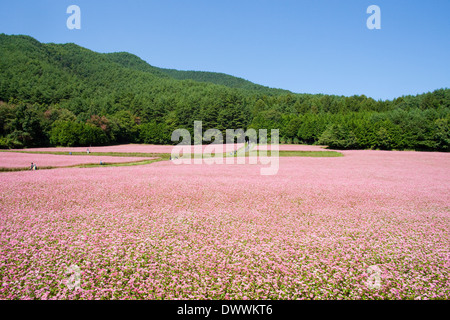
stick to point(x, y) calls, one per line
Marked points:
point(320, 46)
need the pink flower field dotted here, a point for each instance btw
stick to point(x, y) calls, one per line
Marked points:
point(126, 148)
point(21, 160)
point(369, 225)
point(292, 147)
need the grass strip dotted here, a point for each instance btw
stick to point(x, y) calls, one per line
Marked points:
point(87, 165)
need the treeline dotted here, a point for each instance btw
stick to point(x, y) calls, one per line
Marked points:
point(66, 95)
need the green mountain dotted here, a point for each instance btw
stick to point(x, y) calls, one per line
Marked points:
point(221, 79)
point(133, 62)
point(64, 94)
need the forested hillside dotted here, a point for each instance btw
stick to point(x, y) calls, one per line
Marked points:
point(66, 95)
point(131, 61)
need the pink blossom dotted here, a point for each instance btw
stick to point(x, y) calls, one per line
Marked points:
point(166, 231)
point(21, 160)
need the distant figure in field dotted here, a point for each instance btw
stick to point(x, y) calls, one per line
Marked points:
point(33, 166)
point(87, 151)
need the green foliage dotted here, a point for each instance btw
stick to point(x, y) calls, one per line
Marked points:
point(338, 137)
point(66, 95)
point(71, 133)
point(154, 133)
point(10, 143)
point(441, 130)
point(65, 133)
point(124, 127)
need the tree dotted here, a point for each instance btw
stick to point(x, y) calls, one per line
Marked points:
point(336, 136)
point(124, 126)
point(293, 127)
point(442, 134)
point(26, 126)
point(65, 133)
